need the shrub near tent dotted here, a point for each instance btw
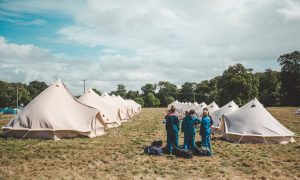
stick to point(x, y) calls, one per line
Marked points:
point(252, 123)
point(55, 114)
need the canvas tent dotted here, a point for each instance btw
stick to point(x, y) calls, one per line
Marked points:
point(212, 107)
point(218, 114)
point(107, 114)
point(252, 123)
point(129, 113)
point(199, 109)
point(297, 112)
point(55, 114)
point(117, 108)
point(134, 107)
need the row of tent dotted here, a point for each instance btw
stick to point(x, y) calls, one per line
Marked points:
point(55, 114)
point(251, 123)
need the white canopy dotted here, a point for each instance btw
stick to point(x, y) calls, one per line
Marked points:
point(55, 114)
point(117, 108)
point(252, 123)
point(212, 107)
point(218, 114)
point(297, 112)
point(108, 115)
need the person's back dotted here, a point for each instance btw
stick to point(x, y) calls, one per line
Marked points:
point(172, 122)
point(172, 127)
point(205, 125)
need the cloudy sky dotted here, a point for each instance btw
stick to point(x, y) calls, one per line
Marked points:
point(134, 42)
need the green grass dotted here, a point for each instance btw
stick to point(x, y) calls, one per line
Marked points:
point(119, 155)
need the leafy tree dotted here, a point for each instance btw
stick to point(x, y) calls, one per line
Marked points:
point(290, 78)
point(121, 91)
point(97, 91)
point(36, 87)
point(186, 93)
point(269, 87)
point(169, 99)
point(8, 94)
point(132, 94)
point(140, 101)
point(239, 84)
point(207, 91)
point(23, 94)
point(166, 89)
point(148, 88)
point(151, 100)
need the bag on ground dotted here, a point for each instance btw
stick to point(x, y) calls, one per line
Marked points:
point(202, 151)
point(154, 150)
point(183, 153)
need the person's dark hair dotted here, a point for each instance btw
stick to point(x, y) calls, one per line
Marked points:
point(205, 109)
point(173, 109)
point(192, 111)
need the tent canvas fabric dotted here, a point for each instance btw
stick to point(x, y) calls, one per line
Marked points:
point(218, 114)
point(55, 114)
point(252, 123)
point(107, 114)
point(199, 109)
point(212, 107)
point(124, 105)
point(135, 107)
point(297, 112)
point(118, 109)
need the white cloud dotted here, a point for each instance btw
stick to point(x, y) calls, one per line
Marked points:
point(170, 40)
point(291, 11)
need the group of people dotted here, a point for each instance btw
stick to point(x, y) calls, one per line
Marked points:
point(188, 127)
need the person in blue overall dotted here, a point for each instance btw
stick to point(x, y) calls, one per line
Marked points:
point(205, 130)
point(172, 127)
point(189, 129)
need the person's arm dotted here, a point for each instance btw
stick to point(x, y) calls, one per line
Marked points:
point(211, 121)
point(167, 122)
point(177, 123)
point(183, 124)
point(197, 121)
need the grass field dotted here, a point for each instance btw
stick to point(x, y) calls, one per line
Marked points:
point(119, 155)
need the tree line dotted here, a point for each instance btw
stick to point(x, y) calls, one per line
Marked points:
point(237, 83)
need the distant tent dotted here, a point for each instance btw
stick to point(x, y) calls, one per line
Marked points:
point(252, 123)
point(212, 107)
point(173, 104)
point(128, 111)
point(116, 105)
point(55, 114)
point(109, 117)
point(199, 108)
point(135, 107)
point(297, 112)
point(218, 114)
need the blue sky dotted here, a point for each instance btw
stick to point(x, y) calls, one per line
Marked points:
point(135, 42)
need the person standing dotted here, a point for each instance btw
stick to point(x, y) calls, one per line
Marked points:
point(172, 128)
point(189, 129)
point(205, 130)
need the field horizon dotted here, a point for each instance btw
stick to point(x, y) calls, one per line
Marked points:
point(119, 154)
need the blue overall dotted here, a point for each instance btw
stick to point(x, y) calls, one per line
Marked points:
point(172, 127)
point(205, 132)
point(189, 129)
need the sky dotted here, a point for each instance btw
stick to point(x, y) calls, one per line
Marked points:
point(134, 42)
